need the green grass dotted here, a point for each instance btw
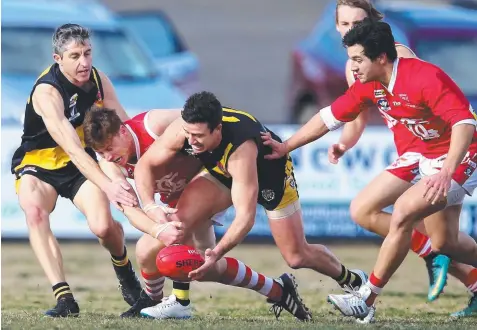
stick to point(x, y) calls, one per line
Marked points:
point(26, 294)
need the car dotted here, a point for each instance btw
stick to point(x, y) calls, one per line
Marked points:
point(27, 28)
point(172, 57)
point(443, 34)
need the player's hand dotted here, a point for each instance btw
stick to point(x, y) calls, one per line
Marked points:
point(279, 149)
point(120, 192)
point(437, 186)
point(157, 214)
point(211, 258)
point(170, 233)
point(335, 152)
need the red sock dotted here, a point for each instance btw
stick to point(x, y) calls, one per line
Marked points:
point(471, 281)
point(154, 284)
point(421, 244)
point(376, 285)
point(240, 275)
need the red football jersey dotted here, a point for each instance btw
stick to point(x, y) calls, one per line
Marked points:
point(143, 138)
point(420, 96)
point(171, 181)
point(404, 140)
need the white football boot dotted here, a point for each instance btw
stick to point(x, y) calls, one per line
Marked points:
point(168, 308)
point(353, 303)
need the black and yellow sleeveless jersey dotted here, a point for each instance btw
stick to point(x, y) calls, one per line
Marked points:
point(238, 127)
point(37, 146)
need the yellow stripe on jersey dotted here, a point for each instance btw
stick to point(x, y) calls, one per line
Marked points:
point(221, 167)
point(240, 112)
point(50, 158)
point(230, 119)
point(95, 78)
point(41, 75)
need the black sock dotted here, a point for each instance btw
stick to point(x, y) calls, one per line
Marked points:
point(181, 291)
point(348, 278)
point(121, 262)
point(62, 290)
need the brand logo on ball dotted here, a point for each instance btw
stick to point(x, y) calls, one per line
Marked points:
point(268, 194)
point(189, 263)
point(193, 252)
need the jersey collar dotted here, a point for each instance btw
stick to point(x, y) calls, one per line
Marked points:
point(392, 81)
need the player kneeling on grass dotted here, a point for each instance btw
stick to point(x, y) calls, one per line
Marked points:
point(121, 145)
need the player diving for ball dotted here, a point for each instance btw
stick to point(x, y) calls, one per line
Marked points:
point(228, 143)
point(121, 145)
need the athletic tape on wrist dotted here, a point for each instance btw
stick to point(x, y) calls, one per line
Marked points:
point(150, 206)
point(164, 227)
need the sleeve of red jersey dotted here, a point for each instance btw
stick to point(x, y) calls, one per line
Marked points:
point(446, 100)
point(347, 107)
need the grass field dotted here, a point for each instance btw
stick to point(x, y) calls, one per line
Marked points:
point(26, 294)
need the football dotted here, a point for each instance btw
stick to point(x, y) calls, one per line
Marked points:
point(176, 261)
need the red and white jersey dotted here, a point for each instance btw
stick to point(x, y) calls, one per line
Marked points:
point(404, 140)
point(420, 96)
point(143, 138)
point(170, 181)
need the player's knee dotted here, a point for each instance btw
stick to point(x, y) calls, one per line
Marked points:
point(362, 214)
point(105, 227)
point(402, 216)
point(147, 249)
point(296, 260)
point(36, 216)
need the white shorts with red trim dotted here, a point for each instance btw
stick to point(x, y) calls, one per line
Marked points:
point(464, 180)
point(406, 167)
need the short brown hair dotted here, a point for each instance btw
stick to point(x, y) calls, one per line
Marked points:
point(99, 126)
point(366, 5)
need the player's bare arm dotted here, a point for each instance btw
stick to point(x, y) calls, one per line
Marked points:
point(352, 131)
point(242, 166)
point(159, 119)
point(111, 100)
point(49, 105)
point(160, 153)
point(168, 233)
point(311, 131)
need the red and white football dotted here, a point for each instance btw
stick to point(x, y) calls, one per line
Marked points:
point(176, 261)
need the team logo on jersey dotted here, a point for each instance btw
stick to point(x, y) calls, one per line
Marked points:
point(73, 100)
point(468, 171)
point(383, 105)
point(268, 194)
point(170, 184)
point(379, 93)
point(72, 107)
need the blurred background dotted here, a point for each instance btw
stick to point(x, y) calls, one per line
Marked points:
point(280, 60)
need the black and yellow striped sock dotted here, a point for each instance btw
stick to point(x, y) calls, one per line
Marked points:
point(181, 291)
point(122, 261)
point(347, 277)
point(62, 290)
